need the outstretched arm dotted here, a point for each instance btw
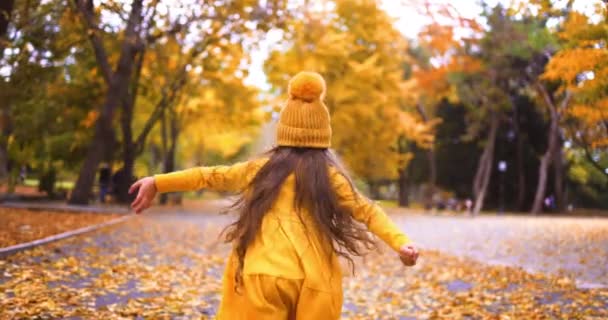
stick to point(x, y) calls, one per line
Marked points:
point(220, 178)
point(376, 220)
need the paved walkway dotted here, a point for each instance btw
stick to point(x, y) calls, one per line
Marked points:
point(168, 265)
point(577, 247)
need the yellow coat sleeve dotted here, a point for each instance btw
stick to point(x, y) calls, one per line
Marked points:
point(368, 213)
point(232, 178)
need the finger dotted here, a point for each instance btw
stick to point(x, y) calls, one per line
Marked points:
point(140, 207)
point(140, 197)
point(143, 203)
point(135, 186)
point(135, 203)
point(147, 203)
point(135, 206)
point(413, 250)
point(407, 251)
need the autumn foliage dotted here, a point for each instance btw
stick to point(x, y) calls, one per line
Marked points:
point(157, 86)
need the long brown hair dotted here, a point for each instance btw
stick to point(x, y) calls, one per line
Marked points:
point(313, 192)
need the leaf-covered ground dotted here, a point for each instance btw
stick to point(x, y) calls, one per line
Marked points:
point(169, 266)
point(574, 247)
point(20, 225)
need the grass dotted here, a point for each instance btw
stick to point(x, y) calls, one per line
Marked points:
point(59, 184)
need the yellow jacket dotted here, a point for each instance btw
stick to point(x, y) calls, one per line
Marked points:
point(285, 247)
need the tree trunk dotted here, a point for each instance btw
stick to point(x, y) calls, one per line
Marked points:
point(169, 164)
point(542, 179)
point(6, 9)
point(134, 147)
point(164, 149)
point(430, 154)
point(121, 186)
point(3, 160)
point(558, 180)
point(83, 188)
point(404, 188)
point(5, 130)
point(432, 182)
point(125, 179)
point(553, 140)
point(519, 160)
point(479, 174)
point(403, 182)
point(129, 152)
point(117, 90)
point(484, 170)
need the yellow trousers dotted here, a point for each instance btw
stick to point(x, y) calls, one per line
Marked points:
point(266, 297)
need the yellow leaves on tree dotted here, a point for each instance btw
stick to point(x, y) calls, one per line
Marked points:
point(214, 111)
point(441, 53)
point(363, 69)
point(581, 67)
point(90, 119)
point(220, 117)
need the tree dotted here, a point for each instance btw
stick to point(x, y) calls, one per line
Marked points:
point(200, 23)
point(6, 9)
point(47, 89)
point(118, 80)
point(581, 68)
point(436, 57)
point(508, 50)
point(578, 59)
point(215, 104)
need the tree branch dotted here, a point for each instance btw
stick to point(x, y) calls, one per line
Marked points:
point(555, 110)
point(86, 10)
point(583, 144)
point(132, 41)
point(176, 28)
point(593, 162)
point(421, 111)
point(168, 96)
point(543, 91)
point(129, 100)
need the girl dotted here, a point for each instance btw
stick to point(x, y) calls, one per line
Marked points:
point(298, 212)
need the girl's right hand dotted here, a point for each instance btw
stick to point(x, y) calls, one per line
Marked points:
point(147, 192)
point(408, 255)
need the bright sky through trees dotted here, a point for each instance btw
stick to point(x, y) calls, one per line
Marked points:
point(407, 20)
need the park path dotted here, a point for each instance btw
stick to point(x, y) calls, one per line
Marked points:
point(168, 264)
point(577, 247)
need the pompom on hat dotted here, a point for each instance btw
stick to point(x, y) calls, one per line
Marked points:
point(304, 121)
point(307, 86)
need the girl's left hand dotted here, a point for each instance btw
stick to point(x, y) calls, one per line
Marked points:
point(145, 195)
point(408, 255)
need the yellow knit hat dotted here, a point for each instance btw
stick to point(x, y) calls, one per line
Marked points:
point(304, 120)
